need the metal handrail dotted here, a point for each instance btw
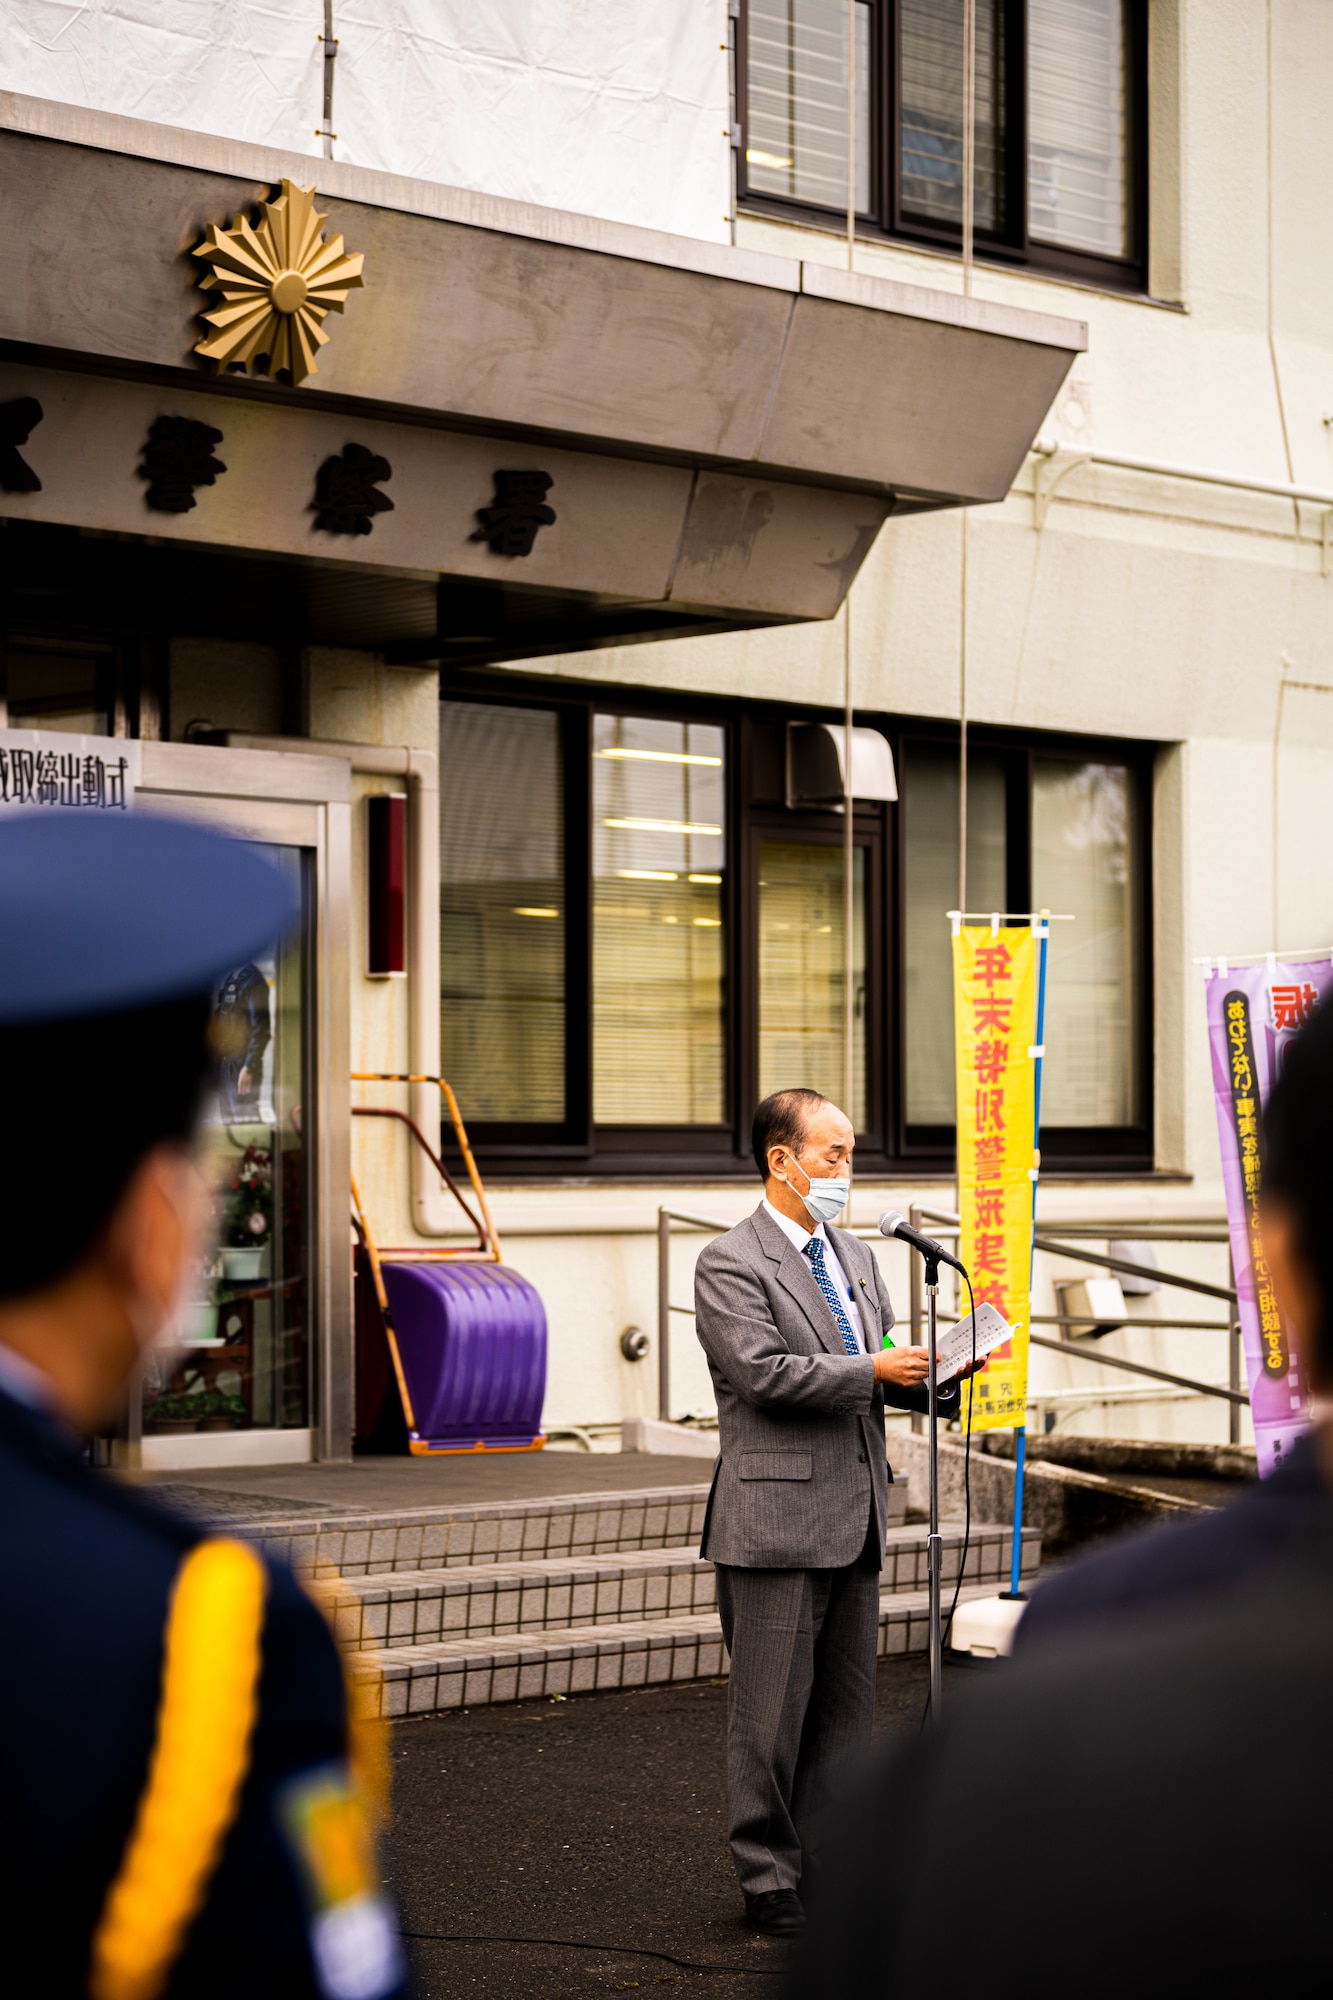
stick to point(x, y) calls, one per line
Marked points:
point(1139, 1368)
point(1154, 1325)
point(1055, 1248)
point(949, 1224)
point(1148, 1232)
point(665, 1218)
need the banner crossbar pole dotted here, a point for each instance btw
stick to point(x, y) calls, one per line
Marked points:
point(1221, 962)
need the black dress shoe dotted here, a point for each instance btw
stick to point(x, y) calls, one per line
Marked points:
point(775, 1912)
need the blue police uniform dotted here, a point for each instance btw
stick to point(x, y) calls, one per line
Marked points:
point(184, 1816)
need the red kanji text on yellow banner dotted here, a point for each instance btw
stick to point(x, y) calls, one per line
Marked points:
point(995, 1026)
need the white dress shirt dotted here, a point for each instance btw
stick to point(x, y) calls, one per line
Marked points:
point(799, 1236)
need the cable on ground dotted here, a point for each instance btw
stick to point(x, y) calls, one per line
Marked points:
point(581, 1944)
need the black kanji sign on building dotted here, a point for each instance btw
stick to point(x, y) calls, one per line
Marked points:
point(509, 525)
point(347, 494)
point(18, 420)
point(39, 777)
point(178, 457)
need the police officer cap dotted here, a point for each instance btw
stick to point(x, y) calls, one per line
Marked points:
point(100, 912)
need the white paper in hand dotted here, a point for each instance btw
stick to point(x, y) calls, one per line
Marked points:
point(954, 1349)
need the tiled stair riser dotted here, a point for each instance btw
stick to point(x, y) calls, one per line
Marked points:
point(513, 1531)
point(457, 1537)
point(426, 1606)
point(432, 1680)
point(413, 1606)
point(424, 1677)
point(461, 1607)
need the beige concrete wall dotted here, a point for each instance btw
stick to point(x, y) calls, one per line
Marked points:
point(223, 684)
point(1184, 615)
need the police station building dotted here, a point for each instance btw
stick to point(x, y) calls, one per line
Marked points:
point(481, 466)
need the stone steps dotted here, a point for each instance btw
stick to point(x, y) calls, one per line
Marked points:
point(518, 1666)
point(433, 1538)
point(412, 1606)
point(426, 1606)
point(454, 1607)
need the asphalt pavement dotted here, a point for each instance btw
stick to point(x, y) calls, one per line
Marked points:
point(553, 1850)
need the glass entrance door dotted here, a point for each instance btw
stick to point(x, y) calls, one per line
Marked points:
point(243, 1358)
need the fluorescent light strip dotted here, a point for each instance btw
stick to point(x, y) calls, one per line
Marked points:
point(648, 874)
point(656, 757)
point(528, 910)
point(703, 878)
point(661, 826)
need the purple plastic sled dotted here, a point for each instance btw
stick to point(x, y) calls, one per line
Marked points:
point(471, 1343)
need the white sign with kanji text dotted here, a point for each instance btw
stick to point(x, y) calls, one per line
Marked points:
point(46, 767)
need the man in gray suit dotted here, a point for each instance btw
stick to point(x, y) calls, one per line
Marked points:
point(794, 1318)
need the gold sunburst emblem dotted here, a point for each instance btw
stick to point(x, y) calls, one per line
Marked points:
point(279, 279)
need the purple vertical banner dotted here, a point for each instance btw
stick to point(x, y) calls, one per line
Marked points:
point(1253, 1013)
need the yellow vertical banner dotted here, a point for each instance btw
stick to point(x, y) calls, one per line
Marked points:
point(996, 975)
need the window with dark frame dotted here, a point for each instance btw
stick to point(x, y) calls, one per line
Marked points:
point(503, 909)
point(640, 937)
point(84, 685)
point(659, 813)
point(59, 688)
point(1059, 125)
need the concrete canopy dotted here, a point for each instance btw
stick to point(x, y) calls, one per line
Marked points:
point(725, 432)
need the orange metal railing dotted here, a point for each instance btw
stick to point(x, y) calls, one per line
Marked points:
point(486, 1250)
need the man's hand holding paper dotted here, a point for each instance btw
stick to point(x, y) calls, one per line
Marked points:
point(955, 1350)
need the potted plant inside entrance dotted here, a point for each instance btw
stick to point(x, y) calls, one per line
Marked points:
point(220, 1412)
point(249, 1227)
point(172, 1416)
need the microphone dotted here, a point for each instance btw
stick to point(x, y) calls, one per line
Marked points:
point(894, 1224)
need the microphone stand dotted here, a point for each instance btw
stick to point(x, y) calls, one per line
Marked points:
point(934, 1542)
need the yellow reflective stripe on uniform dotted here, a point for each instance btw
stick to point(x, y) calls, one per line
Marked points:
point(368, 1750)
point(210, 1697)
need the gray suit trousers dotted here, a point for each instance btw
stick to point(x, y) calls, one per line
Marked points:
point(800, 1704)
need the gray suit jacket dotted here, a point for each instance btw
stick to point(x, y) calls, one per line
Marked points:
point(802, 1469)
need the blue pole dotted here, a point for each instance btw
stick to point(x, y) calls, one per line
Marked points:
point(1021, 1434)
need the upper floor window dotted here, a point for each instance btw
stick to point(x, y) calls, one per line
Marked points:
point(1058, 123)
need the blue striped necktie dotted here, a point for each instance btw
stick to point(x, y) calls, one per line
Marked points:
point(814, 1250)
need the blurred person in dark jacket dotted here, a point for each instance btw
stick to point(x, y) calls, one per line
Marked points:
point(1139, 1803)
point(188, 1805)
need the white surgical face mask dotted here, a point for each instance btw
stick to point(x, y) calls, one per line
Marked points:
point(824, 1199)
point(161, 1329)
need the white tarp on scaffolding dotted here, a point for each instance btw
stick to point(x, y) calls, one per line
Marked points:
point(616, 108)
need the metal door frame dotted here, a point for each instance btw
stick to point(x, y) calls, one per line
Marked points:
point(294, 801)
